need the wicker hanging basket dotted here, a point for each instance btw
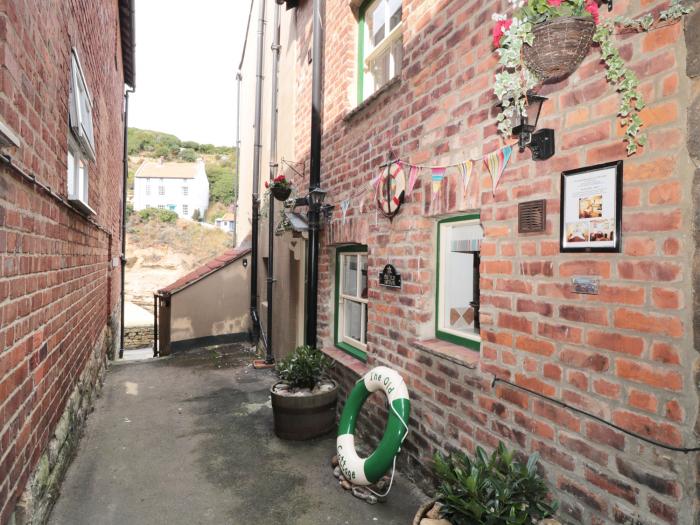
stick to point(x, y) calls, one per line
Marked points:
point(560, 46)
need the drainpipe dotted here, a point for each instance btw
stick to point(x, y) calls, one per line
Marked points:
point(314, 178)
point(125, 177)
point(269, 357)
point(236, 183)
point(155, 324)
point(257, 147)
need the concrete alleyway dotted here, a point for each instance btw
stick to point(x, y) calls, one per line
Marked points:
point(189, 440)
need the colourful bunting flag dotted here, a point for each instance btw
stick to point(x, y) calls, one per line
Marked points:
point(465, 170)
point(438, 177)
point(496, 163)
point(344, 208)
point(412, 178)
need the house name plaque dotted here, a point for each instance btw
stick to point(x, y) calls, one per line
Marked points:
point(389, 277)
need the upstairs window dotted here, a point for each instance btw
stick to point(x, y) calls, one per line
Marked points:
point(148, 189)
point(81, 141)
point(459, 246)
point(351, 301)
point(380, 46)
point(161, 190)
point(185, 191)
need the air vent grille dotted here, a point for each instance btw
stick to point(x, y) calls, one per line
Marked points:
point(532, 216)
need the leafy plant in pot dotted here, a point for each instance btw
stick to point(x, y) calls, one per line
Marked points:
point(488, 490)
point(304, 400)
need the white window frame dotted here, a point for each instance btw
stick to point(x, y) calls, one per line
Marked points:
point(471, 340)
point(161, 206)
point(185, 190)
point(148, 189)
point(367, 51)
point(80, 140)
point(161, 190)
point(185, 209)
point(343, 297)
point(80, 114)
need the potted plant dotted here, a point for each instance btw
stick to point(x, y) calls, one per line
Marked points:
point(280, 188)
point(488, 490)
point(304, 400)
point(546, 40)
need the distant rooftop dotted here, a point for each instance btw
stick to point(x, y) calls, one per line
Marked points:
point(167, 170)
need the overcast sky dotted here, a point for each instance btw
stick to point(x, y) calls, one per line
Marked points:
point(186, 59)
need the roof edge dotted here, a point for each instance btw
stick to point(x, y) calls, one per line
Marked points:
point(127, 30)
point(194, 276)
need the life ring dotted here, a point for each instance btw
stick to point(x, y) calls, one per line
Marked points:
point(391, 189)
point(365, 471)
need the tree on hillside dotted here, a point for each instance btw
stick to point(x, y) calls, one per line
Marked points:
point(187, 155)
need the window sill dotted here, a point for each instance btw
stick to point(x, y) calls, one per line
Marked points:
point(81, 207)
point(347, 360)
point(389, 86)
point(451, 352)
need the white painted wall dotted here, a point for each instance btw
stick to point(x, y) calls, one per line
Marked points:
point(146, 193)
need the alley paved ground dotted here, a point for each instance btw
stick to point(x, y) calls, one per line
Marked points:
point(189, 439)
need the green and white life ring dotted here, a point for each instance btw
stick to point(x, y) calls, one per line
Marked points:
point(365, 471)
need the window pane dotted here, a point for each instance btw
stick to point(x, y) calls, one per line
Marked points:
point(71, 174)
point(82, 181)
point(376, 23)
point(395, 10)
point(379, 69)
point(458, 242)
point(350, 275)
point(353, 320)
point(363, 276)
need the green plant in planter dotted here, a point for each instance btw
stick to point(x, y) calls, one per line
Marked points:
point(491, 490)
point(305, 367)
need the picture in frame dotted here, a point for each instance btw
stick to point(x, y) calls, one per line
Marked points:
point(591, 209)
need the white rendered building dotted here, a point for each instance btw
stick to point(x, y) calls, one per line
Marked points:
point(181, 187)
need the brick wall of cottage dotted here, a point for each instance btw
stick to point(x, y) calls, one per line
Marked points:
point(58, 291)
point(625, 355)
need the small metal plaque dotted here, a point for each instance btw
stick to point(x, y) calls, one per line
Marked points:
point(585, 285)
point(389, 277)
point(532, 216)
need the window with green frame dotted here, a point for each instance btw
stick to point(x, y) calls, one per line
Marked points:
point(351, 300)
point(380, 45)
point(457, 291)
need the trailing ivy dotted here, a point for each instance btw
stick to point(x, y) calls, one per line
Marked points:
point(514, 80)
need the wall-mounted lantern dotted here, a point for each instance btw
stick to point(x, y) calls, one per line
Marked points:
point(541, 142)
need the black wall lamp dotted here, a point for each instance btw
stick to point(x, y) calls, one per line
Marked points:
point(541, 142)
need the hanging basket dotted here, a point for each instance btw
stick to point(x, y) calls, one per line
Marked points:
point(281, 193)
point(560, 46)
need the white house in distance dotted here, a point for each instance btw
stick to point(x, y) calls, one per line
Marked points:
point(178, 186)
point(226, 223)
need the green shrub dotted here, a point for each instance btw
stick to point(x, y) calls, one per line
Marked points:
point(495, 490)
point(157, 214)
point(304, 368)
point(187, 155)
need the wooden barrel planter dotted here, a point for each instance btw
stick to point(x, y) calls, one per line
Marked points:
point(559, 47)
point(299, 418)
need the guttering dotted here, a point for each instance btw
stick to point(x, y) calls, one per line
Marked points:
point(257, 147)
point(269, 357)
point(125, 178)
point(314, 177)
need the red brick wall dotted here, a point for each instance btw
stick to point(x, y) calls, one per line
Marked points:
point(624, 355)
point(57, 287)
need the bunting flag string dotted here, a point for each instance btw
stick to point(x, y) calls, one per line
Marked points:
point(496, 163)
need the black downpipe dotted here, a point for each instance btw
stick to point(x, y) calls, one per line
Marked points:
point(125, 177)
point(257, 147)
point(269, 356)
point(155, 325)
point(314, 178)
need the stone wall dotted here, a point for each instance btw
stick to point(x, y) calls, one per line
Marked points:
point(42, 489)
point(58, 280)
point(138, 337)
